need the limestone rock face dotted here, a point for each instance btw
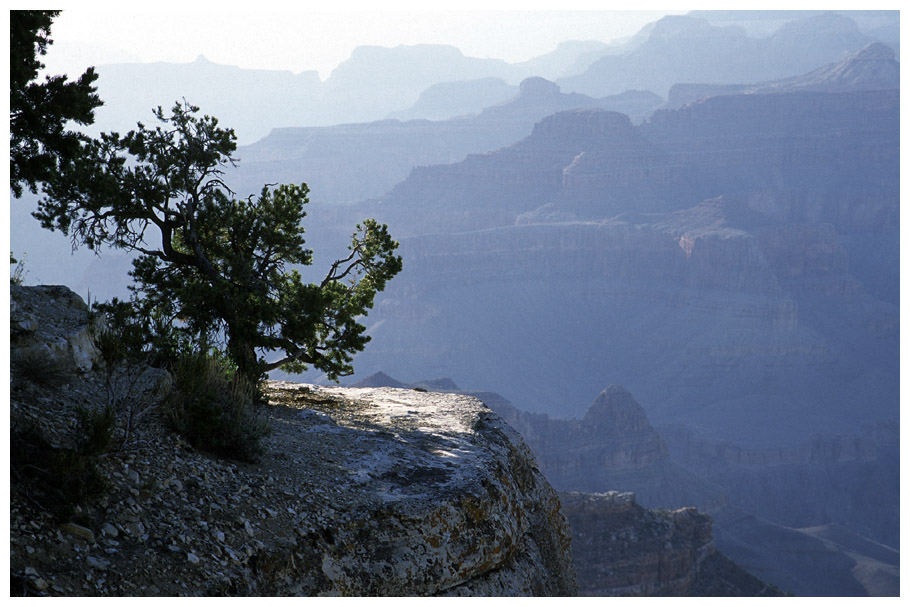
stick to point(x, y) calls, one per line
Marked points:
point(445, 499)
point(61, 339)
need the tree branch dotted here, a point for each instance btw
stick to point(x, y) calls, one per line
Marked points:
point(296, 356)
point(333, 277)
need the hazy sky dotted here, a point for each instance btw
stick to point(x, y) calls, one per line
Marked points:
point(271, 38)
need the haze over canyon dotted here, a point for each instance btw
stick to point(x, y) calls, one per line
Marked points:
point(696, 230)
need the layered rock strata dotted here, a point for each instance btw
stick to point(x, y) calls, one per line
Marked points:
point(622, 549)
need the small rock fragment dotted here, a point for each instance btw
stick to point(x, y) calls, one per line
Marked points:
point(79, 531)
point(38, 583)
point(135, 529)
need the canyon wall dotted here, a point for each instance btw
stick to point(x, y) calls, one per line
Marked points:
point(622, 549)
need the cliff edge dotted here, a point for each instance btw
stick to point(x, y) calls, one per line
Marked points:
point(360, 492)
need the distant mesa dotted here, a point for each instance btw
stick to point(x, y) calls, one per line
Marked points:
point(871, 68)
point(447, 100)
point(875, 51)
point(538, 86)
point(687, 49)
point(582, 125)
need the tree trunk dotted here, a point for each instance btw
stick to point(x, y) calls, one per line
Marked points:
point(244, 356)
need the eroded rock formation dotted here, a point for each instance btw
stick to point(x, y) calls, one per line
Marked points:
point(612, 446)
point(622, 549)
point(370, 491)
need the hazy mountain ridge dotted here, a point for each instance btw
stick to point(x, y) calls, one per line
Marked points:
point(691, 49)
point(352, 162)
point(734, 262)
point(591, 165)
point(254, 102)
point(871, 68)
point(392, 79)
point(451, 99)
point(250, 101)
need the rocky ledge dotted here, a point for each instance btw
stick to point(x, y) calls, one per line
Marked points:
point(361, 492)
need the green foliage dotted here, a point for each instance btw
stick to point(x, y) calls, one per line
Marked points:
point(122, 334)
point(41, 147)
point(215, 408)
point(110, 333)
point(222, 272)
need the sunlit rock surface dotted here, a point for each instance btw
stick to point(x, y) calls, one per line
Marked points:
point(440, 496)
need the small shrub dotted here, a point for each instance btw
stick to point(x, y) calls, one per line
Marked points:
point(96, 430)
point(117, 333)
point(39, 366)
point(18, 272)
point(215, 408)
point(57, 479)
point(111, 346)
point(77, 476)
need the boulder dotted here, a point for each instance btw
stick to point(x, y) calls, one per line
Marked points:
point(61, 340)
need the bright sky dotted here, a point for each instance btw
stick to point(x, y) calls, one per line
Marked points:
point(88, 33)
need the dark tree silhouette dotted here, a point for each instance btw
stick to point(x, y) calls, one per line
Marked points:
point(41, 146)
point(212, 267)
